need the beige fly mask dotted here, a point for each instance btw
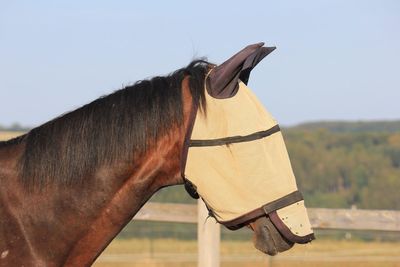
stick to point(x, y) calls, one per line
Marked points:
point(236, 159)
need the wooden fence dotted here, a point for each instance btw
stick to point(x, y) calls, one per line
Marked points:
point(209, 231)
point(346, 219)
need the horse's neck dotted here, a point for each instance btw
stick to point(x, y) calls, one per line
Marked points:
point(126, 202)
point(13, 243)
point(71, 226)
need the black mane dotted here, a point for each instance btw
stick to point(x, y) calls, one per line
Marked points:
point(116, 127)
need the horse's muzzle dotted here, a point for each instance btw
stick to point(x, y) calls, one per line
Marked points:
point(267, 238)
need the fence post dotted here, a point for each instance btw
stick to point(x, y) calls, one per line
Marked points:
point(208, 235)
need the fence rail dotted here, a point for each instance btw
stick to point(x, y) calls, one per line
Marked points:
point(321, 218)
point(208, 231)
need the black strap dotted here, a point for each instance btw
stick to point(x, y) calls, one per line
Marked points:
point(191, 189)
point(234, 139)
point(282, 202)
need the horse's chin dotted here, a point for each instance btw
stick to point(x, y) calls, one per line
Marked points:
point(267, 238)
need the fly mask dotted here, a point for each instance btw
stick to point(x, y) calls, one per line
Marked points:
point(235, 158)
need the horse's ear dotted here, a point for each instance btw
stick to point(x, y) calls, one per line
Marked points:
point(223, 81)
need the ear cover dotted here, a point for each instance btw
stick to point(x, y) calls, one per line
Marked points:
point(223, 81)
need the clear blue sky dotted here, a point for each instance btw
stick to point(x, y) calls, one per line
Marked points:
point(335, 60)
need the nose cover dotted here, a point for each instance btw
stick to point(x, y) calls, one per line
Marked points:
point(237, 162)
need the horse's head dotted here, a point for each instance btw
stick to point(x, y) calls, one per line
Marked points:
point(236, 159)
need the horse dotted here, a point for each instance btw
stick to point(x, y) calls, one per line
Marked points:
point(69, 186)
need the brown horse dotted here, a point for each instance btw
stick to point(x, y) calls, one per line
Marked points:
point(69, 186)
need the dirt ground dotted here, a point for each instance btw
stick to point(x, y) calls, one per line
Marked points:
point(325, 253)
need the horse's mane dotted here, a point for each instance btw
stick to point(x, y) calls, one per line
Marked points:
point(116, 127)
point(12, 141)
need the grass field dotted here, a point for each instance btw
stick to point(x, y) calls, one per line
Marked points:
point(325, 253)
